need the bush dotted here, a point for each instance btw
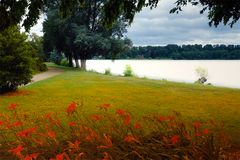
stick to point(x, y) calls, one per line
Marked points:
point(203, 75)
point(56, 57)
point(16, 60)
point(39, 66)
point(128, 72)
point(107, 71)
point(107, 136)
point(64, 62)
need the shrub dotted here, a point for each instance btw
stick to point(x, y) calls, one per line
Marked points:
point(16, 60)
point(128, 72)
point(203, 75)
point(107, 71)
point(64, 62)
point(56, 57)
point(107, 136)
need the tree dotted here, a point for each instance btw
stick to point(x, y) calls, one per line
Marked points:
point(13, 11)
point(81, 35)
point(16, 59)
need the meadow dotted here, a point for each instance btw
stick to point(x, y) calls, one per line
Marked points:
point(137, 95)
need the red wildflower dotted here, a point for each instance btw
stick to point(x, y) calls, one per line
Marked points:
point(162, 118)
point(121, 112)
point(48, 116)
point(72, 124)
point(196, 125)
point(51, 134)
point(96, 117)
point(175, 139)
point(137, 125)
point(15, 124)
point(71, 108)
point(60, 156)
point(74, 145)
point(105, 106)
point(1, 123)
point(27, 132)
point(106, 156)
point(205, 131)
point(107, 142)
point(17, 151)
point(127, 120)
point(198, 134)
point(31, 156)
point(130, 138)
point(12, 106)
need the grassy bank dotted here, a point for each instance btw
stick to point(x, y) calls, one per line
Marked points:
point(139, 96)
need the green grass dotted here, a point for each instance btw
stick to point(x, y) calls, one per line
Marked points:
point(140, 96)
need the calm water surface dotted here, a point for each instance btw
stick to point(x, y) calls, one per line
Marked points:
point(221, 72)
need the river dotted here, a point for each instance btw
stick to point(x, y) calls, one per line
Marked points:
point(220, 72)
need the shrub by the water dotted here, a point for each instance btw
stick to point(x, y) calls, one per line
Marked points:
point(107, 136)
point(16, 59)
point(107, 71)
point(64, 62)
point(128, 72)
point(56, 57)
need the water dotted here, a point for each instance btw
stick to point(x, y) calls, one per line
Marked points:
point(220, 72)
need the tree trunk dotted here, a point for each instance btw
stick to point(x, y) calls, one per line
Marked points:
point(83, 64)
point(77, 63)
point(70, 60)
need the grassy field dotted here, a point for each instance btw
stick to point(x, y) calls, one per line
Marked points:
point(140, 96)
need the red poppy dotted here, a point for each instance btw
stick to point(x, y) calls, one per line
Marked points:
point(127, 120)
point(17, 151)
point(121, 112)
point(130, 138)
point(71, 108)
point(196, 125)
point(51, 134)
point(12, 106)
point(15, 124)
point(31, 156)
point(205, 131)
point(175, 139)
point(106, 156)
point(162, 118)
point(60, 156)
point(137, 125)
point(105, 106)
point(74, 145)
point(1, 123)
point(107, 142)
point(95, 117)
point(72, 124)
point(27, 132)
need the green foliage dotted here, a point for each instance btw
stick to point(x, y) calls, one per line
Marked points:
point(128, 72)
point(13, 11)
point(183, 52)
point(16, 59)
point(64, 62)
point(107, 71)
point(203, 75)
point(56, 57)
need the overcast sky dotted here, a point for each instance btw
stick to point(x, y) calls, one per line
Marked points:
point(158, 27)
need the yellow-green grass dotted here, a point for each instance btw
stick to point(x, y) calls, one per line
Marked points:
point(139, 96)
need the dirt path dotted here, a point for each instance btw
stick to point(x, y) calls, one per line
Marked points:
point(48, 74)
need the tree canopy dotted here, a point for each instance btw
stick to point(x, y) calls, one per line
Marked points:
point(13, 12)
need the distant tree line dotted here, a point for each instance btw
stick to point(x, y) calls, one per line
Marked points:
point(173, 51)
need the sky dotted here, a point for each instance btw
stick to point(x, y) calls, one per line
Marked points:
point(158, 27)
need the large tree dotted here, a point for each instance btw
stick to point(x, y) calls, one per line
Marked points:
point(81, 35)
point(12, 12)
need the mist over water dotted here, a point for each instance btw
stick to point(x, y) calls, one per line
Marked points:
point(220, 72)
